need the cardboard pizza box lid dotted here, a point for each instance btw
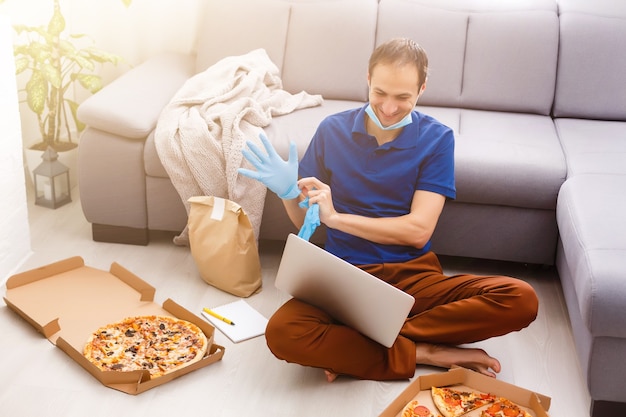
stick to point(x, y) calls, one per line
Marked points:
point(67, 300)
point(419, 388)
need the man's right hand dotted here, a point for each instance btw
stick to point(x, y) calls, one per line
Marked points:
point(280, 176)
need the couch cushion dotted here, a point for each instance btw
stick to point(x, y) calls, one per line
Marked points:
point(590, 216)
point(489, 55)
point(152, 162)
point(130, 106)
point(300, 37)
point(510, 61)
point(505, 159)
point(109, 162)
point(320, 62)
point(601, 358)
point(593, 146)
point(592, 65)
point(441, 33)
point(264, 24)
point(300, 125)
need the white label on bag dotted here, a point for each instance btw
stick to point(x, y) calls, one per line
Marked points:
point(219, 205)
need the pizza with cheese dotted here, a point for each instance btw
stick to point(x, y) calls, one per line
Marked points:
point(415, 409)
point(159, 344)
point(504, 408)
point(455, 403)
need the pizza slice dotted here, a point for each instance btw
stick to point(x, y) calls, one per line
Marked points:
point(414, 409)
point(504, 408)
point(455, 403)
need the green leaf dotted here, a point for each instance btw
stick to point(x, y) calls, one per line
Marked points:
point(80, 126)
point(84, 62)
point(57, 22)
point(66, 48)
point(40, 53)
point(52, 74)
point(102, 56)
point(36, 92)
point(78, 35)
point(91, 82)
point(19, 28)
point(21, 64)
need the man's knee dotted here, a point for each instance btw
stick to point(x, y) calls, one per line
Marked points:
point(526, 304)
point(276, 335)
point(294, 328)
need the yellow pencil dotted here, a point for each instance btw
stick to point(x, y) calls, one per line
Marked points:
point(217, 316)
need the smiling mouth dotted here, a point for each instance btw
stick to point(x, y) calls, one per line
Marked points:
point(388, 120)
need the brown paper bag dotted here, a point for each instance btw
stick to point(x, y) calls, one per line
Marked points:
point(223, 245)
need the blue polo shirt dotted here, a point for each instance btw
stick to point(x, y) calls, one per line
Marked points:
point(378, 181)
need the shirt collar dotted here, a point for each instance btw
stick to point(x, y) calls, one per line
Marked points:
point(406, 139)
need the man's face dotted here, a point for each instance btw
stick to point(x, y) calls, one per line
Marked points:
point(393, 92)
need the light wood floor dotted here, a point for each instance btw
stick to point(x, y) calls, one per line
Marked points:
point(37, 379)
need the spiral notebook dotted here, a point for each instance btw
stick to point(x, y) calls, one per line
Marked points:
point(249, 322)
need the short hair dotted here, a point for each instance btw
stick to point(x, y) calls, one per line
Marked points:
point(401, 51)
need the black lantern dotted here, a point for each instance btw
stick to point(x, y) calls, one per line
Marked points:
point(52, 181)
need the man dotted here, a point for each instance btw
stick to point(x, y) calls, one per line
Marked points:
point(380, 176)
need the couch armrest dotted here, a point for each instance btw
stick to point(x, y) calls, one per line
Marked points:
point(130, 106)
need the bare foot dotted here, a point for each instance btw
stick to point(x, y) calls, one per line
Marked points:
point(448, 356)
point(330, 376)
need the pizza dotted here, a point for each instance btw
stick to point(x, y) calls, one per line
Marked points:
point(455, 403)
point(504, 408)
point(414, 409)
point(159, 344)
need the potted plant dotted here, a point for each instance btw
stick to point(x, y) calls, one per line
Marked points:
point(56, 63)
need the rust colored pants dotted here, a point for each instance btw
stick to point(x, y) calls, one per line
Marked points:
point(448, 310)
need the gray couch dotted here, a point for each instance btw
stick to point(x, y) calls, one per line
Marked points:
point(529, 89)
point(590, 118)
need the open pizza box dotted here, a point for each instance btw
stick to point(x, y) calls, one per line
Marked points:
point(66, 301)
point(464, 379)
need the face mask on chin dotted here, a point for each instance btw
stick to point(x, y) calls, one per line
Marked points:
point(405, 120)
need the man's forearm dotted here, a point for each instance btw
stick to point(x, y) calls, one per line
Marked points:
point(403, 230)
point(294, 211)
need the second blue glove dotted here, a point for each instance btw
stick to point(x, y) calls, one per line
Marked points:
point(311, 219)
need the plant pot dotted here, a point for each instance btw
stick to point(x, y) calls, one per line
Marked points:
point(67, 158)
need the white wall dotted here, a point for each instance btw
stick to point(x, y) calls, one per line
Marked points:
point(14, 230)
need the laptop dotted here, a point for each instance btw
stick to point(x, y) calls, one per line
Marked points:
point(349, 294)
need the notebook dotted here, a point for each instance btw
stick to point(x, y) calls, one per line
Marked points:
point(249, 322)
point(349, 294)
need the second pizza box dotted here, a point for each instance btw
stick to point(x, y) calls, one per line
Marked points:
point(465, 379)
point(67, 301)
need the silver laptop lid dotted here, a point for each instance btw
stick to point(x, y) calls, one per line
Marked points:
point(349, 294)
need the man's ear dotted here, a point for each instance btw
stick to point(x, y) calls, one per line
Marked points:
point(422, 88)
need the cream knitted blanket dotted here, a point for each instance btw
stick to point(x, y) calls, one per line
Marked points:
point(201, 132)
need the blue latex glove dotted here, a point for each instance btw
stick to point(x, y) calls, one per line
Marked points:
point(279, 176)
point(311, 219)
